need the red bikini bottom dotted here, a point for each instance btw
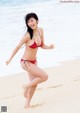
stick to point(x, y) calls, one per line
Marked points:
point(32, 61)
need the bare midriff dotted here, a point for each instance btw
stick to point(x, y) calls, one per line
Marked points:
point(29, 53)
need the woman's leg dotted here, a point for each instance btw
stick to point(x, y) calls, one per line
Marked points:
point(36, 76)
point(40, 75)
point(30, 91)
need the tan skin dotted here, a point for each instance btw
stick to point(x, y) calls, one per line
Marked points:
point(38, 75)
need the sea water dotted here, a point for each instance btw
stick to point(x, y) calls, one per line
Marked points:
point(61, 24)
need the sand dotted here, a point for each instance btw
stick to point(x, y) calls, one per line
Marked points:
point(59, 94)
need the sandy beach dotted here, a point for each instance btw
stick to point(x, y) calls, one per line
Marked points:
point(60, 94)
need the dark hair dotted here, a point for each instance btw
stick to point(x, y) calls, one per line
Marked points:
point(27, 17)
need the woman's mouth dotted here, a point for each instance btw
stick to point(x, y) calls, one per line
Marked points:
point(32, 26)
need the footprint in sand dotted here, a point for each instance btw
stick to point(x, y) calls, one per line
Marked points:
point(37, 105)
point(54, 86)
point(76, 78)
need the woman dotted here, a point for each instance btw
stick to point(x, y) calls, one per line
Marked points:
point(33, 39)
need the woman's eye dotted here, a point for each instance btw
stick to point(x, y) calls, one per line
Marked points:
point(31, 20)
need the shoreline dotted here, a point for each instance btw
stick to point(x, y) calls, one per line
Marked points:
point(56, 64)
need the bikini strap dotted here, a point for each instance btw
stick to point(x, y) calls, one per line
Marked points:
point(39, 33)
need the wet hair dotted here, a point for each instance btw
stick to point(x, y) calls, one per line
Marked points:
point(27, 17)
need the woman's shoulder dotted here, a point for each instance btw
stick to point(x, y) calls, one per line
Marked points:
point(25, 38)
point(27, 35)
point(41, 29)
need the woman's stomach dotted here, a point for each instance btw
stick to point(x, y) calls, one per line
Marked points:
point(30, 54)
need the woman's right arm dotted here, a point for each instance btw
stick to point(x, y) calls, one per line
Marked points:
point(22, 41)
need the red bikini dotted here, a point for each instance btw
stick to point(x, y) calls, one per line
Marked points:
point(34, 45)
point(32, 61)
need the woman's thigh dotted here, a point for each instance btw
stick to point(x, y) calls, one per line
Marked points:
point(33, 69)
point(31, 76)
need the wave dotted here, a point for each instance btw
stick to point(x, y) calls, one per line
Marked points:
point(19, 2)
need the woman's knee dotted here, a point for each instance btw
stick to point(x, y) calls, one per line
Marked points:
point(45, 77)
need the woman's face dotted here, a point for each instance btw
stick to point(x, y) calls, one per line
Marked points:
point(32, 23)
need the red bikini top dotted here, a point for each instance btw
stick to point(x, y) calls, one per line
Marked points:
point(34, 45)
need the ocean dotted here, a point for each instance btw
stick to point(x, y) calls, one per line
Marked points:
point(19, 2)
point(61, 25)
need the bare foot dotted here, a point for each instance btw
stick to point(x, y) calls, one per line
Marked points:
point(26, 104)
point(25, 86)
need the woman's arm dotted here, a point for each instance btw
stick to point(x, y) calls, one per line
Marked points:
point(44, 46)
point(23, 40)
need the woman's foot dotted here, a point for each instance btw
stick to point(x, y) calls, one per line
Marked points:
point(26, 104)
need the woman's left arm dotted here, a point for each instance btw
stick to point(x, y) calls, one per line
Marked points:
point(44, 46)
point(48, 47)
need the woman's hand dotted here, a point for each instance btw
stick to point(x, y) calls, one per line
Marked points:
point(8, 61)
point(52, 46)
